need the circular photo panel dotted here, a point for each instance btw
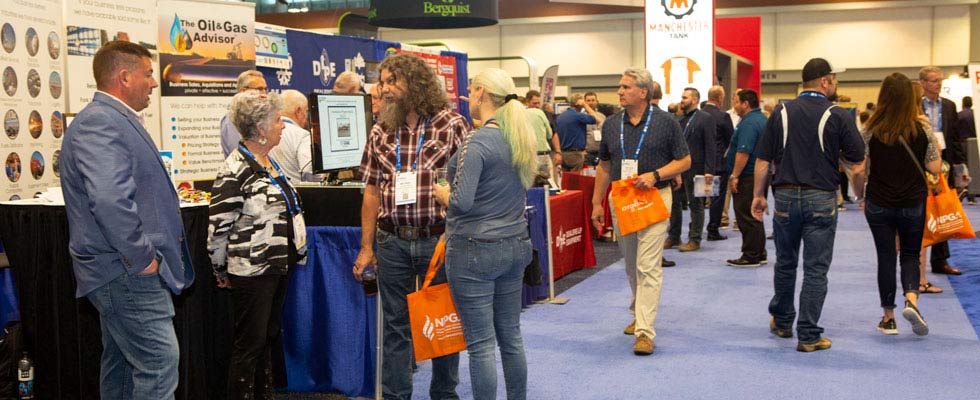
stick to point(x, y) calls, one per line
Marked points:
point(54, 83)
point(33, 82)
point(54, 45)
point(8, 37)
point(32, 42)
point(11, 124)
point(34, 124)
point(57, 124)
point(12, 167)
point(54, 163)
point(37, 165)
point(10, 81)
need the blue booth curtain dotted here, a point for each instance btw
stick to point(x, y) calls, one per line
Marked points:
point(539, 241)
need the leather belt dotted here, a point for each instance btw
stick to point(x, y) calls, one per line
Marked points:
point(541, 153)
point(572, 149)
point(407, 232)
point(795, 187)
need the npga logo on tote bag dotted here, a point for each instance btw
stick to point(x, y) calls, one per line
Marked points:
point(945, 218)
point(636, 208)
point(436, 329)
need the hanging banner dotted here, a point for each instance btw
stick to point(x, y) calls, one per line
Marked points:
point(548, 82)
point(974, 71)
point(91, 24)
point(680, 46)
point(33, 97)
point(204, 46)
point(318, 59)
point(272, 56)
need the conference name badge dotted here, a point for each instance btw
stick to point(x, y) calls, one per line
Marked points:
point(299, 231)
point(629, 169)
point(940, 140)
point(406, 189)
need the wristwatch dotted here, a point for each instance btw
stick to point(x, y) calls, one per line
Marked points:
point(656, 176)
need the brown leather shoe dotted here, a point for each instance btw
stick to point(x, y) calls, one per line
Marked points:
point(690, 246)
point(670, 243)
point(643, 346)
point(783, 333)
point(946, 270)
point(822, 344)
point(630, 329)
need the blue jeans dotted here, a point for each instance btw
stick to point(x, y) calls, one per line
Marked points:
point(908, 224)
point(809, 216)
point(139, 346)
point(400, 263)
point(486, 278)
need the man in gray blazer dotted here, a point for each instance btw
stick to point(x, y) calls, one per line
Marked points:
point(126, 235)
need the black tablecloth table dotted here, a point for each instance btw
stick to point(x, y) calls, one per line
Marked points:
point(62, 333)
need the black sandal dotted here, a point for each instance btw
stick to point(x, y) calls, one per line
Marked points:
point(929, 288)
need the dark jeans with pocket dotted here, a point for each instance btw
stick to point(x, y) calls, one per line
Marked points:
point(885, 224)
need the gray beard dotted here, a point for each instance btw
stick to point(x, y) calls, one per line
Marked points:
point(393, 114)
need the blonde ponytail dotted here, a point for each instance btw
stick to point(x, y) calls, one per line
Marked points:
point(512, 118)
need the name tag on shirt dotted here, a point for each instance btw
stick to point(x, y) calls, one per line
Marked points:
point(940, 140)
point(597, 134)
point(628, 169)
point(406, 189)
point(299, 231)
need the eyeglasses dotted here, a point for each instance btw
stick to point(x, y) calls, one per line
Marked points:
point(263, 89)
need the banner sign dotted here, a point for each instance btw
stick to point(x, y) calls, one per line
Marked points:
point(33, 97)
point(548, 82)
point(204, 46)
point(91, 24)
point(974, 71)
point(318, 59)
point(680, 49)
point(271, 46)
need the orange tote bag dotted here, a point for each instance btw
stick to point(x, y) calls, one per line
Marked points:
point(945, 218)
point(436, 329)
point(636, 208)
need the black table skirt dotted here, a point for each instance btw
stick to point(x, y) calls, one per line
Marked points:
point(62, 333)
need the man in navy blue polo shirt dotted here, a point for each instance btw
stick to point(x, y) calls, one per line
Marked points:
point(645, 142)
point(803, 140)
point(571, 125)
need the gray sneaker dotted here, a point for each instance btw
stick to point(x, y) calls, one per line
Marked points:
point(911, 313)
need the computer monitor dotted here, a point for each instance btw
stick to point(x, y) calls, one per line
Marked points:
point(339, 124)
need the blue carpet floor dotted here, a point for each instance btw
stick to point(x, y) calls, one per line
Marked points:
point(714, 343)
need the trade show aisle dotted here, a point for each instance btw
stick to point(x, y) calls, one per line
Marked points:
point(713, 338)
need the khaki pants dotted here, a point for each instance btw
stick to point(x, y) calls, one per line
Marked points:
point(643, 256)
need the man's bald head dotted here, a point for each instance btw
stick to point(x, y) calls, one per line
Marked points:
point(348, 82)
point(295, 107)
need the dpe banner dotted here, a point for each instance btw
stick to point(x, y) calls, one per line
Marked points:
point(318, 59)
point(680, 46)
point(204, 46)
point(91, 24)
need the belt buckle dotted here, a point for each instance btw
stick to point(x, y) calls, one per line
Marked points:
point(408, 232)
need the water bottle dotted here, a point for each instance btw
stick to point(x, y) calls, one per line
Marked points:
point(25, 378)
point(369, 280)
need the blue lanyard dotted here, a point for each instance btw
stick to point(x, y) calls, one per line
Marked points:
point(293, 207)
point(813, 94)
point(689, 121)
point(418, 149)
point(622, 128)
point(939, 105)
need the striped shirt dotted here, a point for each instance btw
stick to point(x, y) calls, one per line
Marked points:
point(250, 228)
point(444, 133)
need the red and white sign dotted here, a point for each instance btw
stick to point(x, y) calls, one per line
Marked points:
point(680, 46)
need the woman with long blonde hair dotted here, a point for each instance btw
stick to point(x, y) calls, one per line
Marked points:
point(898, 148)
point(488, 245)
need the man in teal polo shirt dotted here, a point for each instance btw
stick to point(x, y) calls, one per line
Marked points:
point(741, 161)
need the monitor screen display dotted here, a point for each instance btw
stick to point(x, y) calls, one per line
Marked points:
point(339, 124)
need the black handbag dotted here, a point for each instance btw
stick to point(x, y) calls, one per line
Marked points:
point(533, 275)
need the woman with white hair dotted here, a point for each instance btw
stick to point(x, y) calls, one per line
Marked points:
point(488, 244)
point(256, 233)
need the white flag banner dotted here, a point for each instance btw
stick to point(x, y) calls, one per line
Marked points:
point(680, 46)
